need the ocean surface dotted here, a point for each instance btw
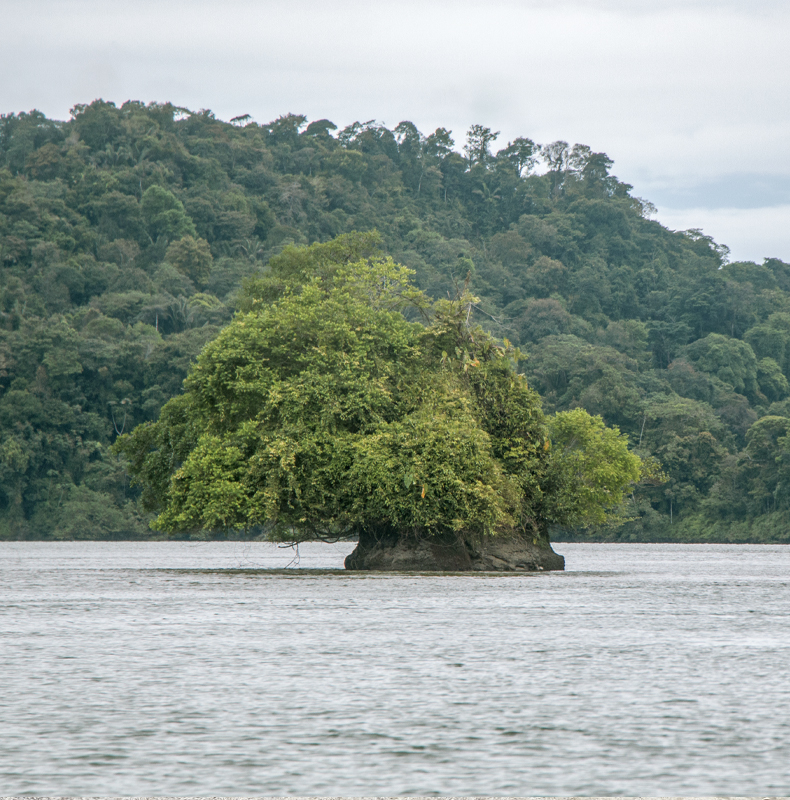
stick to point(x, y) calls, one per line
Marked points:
point(179, 668)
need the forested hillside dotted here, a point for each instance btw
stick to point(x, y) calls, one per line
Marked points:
point(126, 233)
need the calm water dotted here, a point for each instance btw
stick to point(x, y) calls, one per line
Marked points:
point(184, 668)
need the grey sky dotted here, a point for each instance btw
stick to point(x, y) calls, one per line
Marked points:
point(691, 99)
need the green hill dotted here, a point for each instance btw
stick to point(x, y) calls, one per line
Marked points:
point(126, 233)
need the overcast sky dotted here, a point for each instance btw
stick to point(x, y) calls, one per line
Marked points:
point(691, 98)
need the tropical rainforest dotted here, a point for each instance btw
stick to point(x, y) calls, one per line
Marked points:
point(131, 236)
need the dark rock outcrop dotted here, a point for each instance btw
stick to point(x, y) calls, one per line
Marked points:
point(390, 552)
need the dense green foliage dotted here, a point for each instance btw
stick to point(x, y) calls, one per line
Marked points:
point(323, 411)
point(125, 234)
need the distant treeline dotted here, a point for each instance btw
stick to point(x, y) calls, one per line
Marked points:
point(126, 233)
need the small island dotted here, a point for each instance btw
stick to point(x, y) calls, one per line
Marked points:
point(342, 402)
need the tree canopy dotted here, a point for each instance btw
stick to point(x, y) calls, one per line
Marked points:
point(323, 410)
point(126, 234)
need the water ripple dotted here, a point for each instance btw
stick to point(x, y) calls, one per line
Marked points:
point(213, 668)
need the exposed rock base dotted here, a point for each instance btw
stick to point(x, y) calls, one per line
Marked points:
point(393, 553)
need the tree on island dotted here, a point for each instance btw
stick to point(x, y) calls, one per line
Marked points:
point(341, 401)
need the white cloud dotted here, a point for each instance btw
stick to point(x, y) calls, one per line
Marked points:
point(680, 93)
